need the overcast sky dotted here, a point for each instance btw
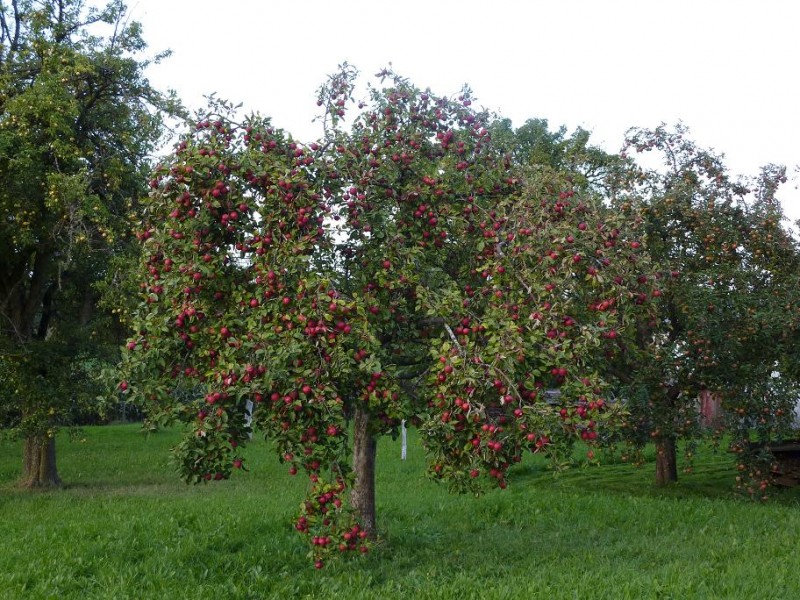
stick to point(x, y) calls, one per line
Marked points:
point(727, 69)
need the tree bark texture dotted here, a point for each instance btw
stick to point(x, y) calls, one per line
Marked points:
point(666, 461)
point(39, 463)
point(365, 448)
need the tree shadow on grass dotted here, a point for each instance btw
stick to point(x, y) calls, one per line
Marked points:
point(711, 477)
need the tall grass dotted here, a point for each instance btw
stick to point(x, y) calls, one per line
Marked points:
point(125, 527)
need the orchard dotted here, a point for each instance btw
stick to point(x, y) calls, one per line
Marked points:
point(403, 267)
point(507, 292)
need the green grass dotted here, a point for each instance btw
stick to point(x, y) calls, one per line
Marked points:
point(125, 527)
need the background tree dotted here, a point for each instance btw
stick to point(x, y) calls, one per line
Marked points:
point(535, 145)
point(728, 284)
point(77, 121)
point(398, 268)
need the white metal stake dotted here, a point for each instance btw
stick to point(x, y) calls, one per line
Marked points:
point(248, 418)
point(403, 440)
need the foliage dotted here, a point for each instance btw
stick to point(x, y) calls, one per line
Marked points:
point(728, 279)
point(78, 119)
point(533, 144)
point(400, 268)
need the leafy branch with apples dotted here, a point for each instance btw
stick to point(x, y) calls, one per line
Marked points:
point(400, 268)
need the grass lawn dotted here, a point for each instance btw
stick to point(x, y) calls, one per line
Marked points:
point(126, 527)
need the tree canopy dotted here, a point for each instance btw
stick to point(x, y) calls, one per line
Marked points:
point(728, 271)
point(78, 120)
point(403, 267)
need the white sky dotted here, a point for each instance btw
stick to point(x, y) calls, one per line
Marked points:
point(727, 69)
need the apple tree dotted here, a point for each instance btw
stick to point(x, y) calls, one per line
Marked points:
point(728, 275)
point(401, 267)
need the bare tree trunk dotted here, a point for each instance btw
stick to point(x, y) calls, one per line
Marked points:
point(39, 463)
point(365, 448)
point(666, 461)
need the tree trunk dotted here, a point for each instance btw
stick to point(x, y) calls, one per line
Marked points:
point(666, 461)
point(365, 448)
point(39, 463)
